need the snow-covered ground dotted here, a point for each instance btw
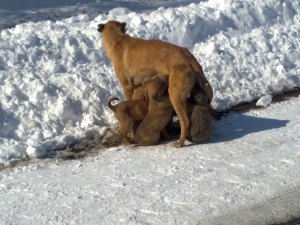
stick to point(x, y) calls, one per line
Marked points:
point(55, 79)
point(251, 159)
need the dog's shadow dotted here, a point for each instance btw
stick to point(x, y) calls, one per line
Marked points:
point(239, 125)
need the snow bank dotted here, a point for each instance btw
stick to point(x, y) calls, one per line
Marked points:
point(55, 77)
point(13, 12)
point(55, 80)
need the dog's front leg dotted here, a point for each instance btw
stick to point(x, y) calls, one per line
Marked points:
point(127, 85)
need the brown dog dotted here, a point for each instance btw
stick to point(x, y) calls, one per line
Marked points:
point(152, 89)
point(201, 123)
point(134, 57)
point(128, 112)
point(199, 97)
point(160, 113)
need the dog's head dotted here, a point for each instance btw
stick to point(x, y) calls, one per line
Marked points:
point(157, 87)
point(112, 25)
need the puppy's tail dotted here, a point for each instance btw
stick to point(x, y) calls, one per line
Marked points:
point(109, 105)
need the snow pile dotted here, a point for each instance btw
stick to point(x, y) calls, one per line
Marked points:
point(54, 83)
point(13, 13)
point(55, 77)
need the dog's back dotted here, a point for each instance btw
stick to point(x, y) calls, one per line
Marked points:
point(128, 113)
point(135, 109)
point(161, 104)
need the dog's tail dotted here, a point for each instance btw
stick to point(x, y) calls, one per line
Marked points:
point(109, 105)
point(203, 82)
point(209, 91)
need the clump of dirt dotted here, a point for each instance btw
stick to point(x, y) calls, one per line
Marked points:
point(74, 151)
point(89, 147)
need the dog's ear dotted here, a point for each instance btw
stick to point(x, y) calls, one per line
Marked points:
point(123, 26)
point(101, 27)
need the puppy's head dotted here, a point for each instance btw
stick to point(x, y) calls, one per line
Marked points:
point(115, 25)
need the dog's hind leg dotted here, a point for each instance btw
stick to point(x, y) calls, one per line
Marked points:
point(123, 131)
point(135, 126)
point(181, 83)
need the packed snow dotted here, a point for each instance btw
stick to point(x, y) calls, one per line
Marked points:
point(245, 170)
point(55, 79)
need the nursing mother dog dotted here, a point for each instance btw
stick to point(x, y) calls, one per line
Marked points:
point(136, 61)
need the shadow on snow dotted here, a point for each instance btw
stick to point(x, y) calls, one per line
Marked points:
point(239, 125)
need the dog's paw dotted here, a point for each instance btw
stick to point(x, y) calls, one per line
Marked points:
point(177, 144)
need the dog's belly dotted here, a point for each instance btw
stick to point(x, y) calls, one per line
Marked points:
point(143, 77)
point(138, 80)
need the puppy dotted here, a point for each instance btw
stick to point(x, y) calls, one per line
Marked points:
point(201, 123)
point(199, 97)
point(200, 116)
point(150, 129)
point(128, 112)
point(134, 57)
point(152, 89)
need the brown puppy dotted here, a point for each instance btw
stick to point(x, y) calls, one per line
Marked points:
point(199, 97)
point(128, 112)
point(134, 57)
point(160, 113)
point(152, 89)
point(200, 116)
point(201, 123)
